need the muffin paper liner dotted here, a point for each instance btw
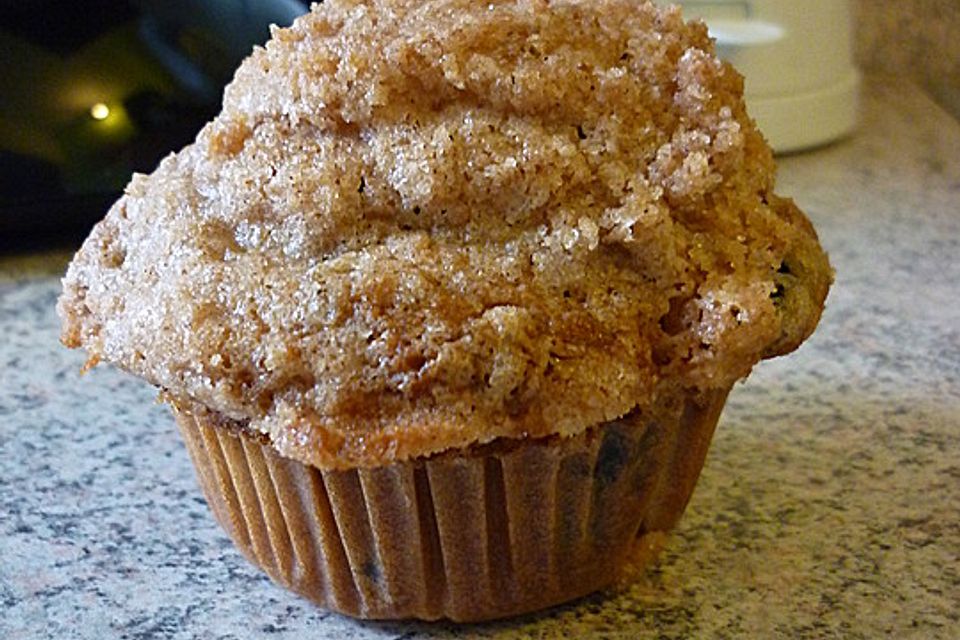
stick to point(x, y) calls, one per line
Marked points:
point(472, 534)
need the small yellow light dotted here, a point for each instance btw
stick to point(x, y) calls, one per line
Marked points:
point(99, 111)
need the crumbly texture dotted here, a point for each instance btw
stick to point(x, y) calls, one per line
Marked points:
point(421, 225)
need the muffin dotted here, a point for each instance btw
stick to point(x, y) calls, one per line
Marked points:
point(448, 299)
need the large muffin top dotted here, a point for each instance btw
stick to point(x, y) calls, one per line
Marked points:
point(419, 225)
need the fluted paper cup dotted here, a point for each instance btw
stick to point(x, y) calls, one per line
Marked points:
point(471, 534)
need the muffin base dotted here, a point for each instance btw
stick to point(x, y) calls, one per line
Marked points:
point(469, 535)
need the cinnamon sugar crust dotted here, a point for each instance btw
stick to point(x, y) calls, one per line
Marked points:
point(418, 226)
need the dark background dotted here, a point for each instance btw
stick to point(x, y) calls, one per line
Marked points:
point(95, 90)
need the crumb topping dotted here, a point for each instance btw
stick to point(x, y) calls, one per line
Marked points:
point(419, 225)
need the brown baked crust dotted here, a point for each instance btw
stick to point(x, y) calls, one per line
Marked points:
point(418, 226)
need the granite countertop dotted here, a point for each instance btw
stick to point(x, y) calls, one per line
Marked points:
point(829, 505)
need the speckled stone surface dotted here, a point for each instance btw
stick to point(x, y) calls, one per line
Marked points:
point(829, 506)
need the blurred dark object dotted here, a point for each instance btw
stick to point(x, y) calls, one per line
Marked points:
point(93, 91)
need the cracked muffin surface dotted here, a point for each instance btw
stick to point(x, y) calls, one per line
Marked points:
point(418, 226)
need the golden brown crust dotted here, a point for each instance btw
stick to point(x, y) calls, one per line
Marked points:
point(417, 226)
